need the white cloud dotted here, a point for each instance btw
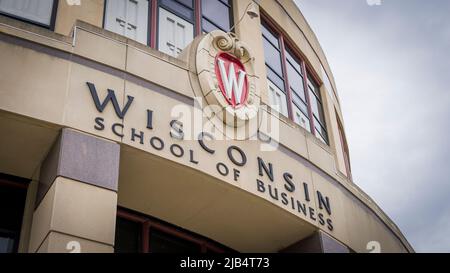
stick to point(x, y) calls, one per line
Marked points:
point(392, 78)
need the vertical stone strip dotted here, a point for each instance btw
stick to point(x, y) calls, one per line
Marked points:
point(77, 196)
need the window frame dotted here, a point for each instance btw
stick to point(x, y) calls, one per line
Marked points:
point(53, 14)
point(153, 19)
point(149, 223)
point(9, 181)
point(307, 73)
point(345, 151)
point(201, 16)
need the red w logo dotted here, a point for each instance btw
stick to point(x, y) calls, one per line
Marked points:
point(232, 79)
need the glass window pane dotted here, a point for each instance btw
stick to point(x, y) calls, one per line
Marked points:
point(275, 79)
point(316, 107)
point(12, 203)
point(36, 11)
point(161, 242)
point(217, 12)
point(188, 3)
point(128, 236)
point(273, 57)
point(178, 9)
point(270, 36)
point(313, 87)
point(300, 104)
point(321, 133)
point(300, 118)
point(293, 61)
point(6, 244)
point(207, 26)
point(295, 81)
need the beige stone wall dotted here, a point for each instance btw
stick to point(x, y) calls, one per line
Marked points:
point(73, 211)
point(58, 97)
point(90, 11)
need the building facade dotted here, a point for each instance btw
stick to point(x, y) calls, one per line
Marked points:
point(174, 126)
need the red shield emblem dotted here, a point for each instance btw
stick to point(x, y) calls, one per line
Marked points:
point(232, 79)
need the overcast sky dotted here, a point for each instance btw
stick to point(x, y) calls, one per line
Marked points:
point(391, 63)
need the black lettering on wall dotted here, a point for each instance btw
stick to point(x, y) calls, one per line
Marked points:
point(134, 135)
point(284, 199)
point(149, 119)
point(99, 124)
point(306, 190)
point(157, 143)
point(191, 157)
point(201, 141)
point(324, 202)
point(236, 174)
point(301, 208)
point(330, 225)
point(176, 150)
point(176, 130)
point(312, 213)
point(260, 186)
point(115, 131)
point(321, 220)
point(289, 185)
point(268, 169)
point(243, 159)
point(273, 194)
point(222, 169)
point(110, 97)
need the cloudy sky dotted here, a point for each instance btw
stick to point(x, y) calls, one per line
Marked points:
point(391, 63)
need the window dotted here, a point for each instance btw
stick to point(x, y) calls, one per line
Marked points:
point(292, 89)
point(128, 18)
point(216, 14)
point(176, 26)
point(317, 111)
point(13, 192)
point(162, 242)
point(345, 152)
point(128, 236)
point(169, 25)
point(39, 12)
point(139, 233)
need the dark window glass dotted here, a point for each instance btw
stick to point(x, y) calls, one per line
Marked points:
point(161, 242)
point(208, 26)
point(300, 104)
point(273, 57)
point(12, 203)
point(187, 3)
point(321, 133)
point(284, 68)
point(128, 236)
point(317, 108)
point(275, 79)
point(216, 14)
point(294, 63)
point(178, 9)
point(38, 12)
point(296, 81)
point(7, 243)
point(272, 38)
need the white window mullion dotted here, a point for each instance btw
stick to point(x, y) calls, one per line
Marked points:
point(174, 33)
point(277, 99)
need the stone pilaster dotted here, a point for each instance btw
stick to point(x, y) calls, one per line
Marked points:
point(77, 196)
